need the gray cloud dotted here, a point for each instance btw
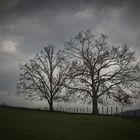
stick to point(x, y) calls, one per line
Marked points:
point(18, 8)
point(27, 25)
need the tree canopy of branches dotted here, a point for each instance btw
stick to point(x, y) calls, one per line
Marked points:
point(102, 72)
point(44, 76)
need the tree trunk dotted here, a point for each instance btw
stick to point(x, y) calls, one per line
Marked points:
point(51, 106)
point(94, 106)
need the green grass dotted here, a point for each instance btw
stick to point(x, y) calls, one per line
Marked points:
point(26, 124)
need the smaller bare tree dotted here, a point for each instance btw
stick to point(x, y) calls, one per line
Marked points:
point(44, 76)
point(102, 71)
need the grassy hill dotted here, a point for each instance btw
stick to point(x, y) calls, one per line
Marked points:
point(27, 124)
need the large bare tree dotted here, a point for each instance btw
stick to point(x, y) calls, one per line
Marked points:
point(102, 72)
point(44, 76)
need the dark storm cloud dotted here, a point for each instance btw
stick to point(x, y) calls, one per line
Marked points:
point(48, 11)
point(11, 11)
point(25, 7)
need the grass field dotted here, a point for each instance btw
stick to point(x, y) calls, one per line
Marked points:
point(26, 124)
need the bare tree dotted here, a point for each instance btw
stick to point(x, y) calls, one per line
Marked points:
point(102, 72)
point(44, 76)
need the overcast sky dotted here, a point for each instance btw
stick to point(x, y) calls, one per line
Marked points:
point(27, 25)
